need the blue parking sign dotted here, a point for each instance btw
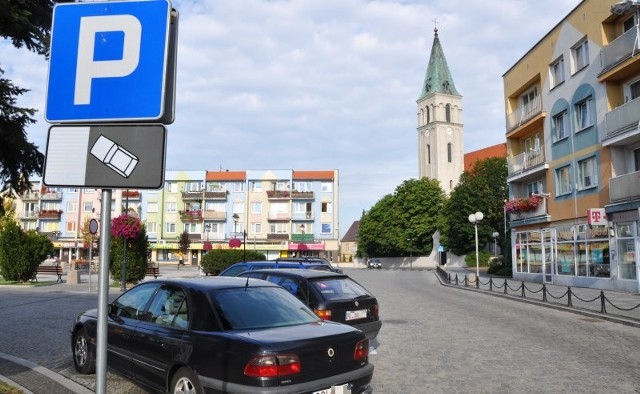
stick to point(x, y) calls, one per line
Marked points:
point(108, 61)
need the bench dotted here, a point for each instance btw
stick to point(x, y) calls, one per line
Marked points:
point(49, 269)
point(153, 271)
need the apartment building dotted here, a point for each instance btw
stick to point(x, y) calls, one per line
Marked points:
point(573, 151)
point(281, 213)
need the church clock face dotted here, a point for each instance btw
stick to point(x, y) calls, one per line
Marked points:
point(449, 130)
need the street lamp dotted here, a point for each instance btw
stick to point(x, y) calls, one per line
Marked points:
point(474, 218)
point(207, 227)
point(495, 243)
point(244, 236)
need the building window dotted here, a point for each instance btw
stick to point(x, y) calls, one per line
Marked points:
point(72, 206)
point(428, 115)
point(215, 187)
point(560, 126)
point(447, 113)
point(563, 181)
point(152, 227)
point(584, 114)
point(87, 206)
point(556, 69)
point(238, 187)
point(303, 186)
point(152, 207)
point(534, 188)
point(629, 24)
point(326, 207)
point(428, 154)
point(192, 187)
point(71, 227)
point(529, 100)
point(74, 190)
point(256, 228)
point(278, 228)
point(256, 207)
point(211, 206)
point(255, 186)
point(191, 228)
point(632, 90)
point(449, 152)
point(326, 228)
point(587, 170)
point(238, 207)
point(170, 227)
point(326, 187)
point(172, 207)
point(580, 53)
point(171, 187)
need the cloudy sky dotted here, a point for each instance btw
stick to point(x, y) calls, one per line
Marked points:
point(325, 84)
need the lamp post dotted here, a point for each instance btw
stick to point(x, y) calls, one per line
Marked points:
point(123, 285)
point(207, 227)
point(474, 218)
point(495, 243)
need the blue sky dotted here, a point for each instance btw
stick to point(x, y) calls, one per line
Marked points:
point(325, 84)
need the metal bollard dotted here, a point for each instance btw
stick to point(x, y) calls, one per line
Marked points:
point(569, 297)
point(603, 308)
point(523, 295)
point(544, 292)
point(505, 286)
point(490, 284)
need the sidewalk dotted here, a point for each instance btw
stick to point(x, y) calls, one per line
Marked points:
point(621, 307)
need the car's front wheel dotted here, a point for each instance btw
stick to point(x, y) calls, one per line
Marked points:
point(185, 382)
point(84, 357)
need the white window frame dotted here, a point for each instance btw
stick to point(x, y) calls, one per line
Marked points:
point(326, 187)
point(192, 228)
point(72, 206)
point(238, 207)
point(563, 181)
point(580, 55)
point(256, 228)
point(628, 89)
point(192, 187)
point(560, 133)
point(256, 207)
point(326, 207)
point(323, 229)
point(588, 173)
point(584, 114)
point(71, 227)
point(215, 187)
point(172, 187)
point(170, 227)
point(171, 207)
point(255, 186)
point(238, 187)
point(152, 227)
point(556, 72)
point(152, 207)
point(87, 206)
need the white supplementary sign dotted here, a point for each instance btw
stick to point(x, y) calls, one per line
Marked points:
point(108, 61)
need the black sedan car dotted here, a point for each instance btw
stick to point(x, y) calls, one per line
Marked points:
point(236, 335)
point(332, 296)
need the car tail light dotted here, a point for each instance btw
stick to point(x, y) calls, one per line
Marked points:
point(324, 314)
point(271, 366)
point(362, 350)
point(376, 310)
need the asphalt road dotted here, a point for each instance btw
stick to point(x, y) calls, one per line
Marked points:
point(434, 339)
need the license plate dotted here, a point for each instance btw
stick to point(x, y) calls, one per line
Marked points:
point(353, 315)
point(342, 389)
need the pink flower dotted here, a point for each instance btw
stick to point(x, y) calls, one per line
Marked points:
point(125, 226)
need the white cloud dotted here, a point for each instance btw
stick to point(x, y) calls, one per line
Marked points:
point(332, 84)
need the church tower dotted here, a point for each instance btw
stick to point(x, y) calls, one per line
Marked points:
point(440, 151)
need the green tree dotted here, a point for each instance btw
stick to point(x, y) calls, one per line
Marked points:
point(129, 228)
point(28, 24)
point(20, 252)
point(217, 260)
point(403, 223)
point(483, 188)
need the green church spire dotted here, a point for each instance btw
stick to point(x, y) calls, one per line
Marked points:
point(438, 78)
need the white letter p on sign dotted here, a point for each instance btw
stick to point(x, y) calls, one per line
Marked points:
point(87, 68)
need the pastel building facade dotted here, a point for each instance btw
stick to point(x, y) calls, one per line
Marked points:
point(573, 151)
point(280, 213)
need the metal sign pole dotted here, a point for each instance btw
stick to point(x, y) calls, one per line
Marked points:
point(103, 293)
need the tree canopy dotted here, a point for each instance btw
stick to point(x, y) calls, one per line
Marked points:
point(26, 23)
point(404, 222)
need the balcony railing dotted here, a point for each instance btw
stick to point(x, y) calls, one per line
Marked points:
point(524, 113)
point(302, 195)
point(279, 216)
point(622, 118)
point(130, 194)
point(191, 216)
point(277, 237)
point(29, 215)
point(624, 187)
point(214, 215)
point(52, 196)
point(525, 161)
point(302, 237)
point(278, 194)
point(30, 196)
point(619, 49)
point(49, 214)
point(541, 210)
point(215, 195)
point(192, 196)
point(302, 216)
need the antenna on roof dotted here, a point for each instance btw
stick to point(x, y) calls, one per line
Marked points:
point(246, 284)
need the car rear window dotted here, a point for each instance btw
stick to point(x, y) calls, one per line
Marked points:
point(339, 288)
point(259, 307)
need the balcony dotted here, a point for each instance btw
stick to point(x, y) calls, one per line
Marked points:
point(192, 196)
point(278, 194)
point(29, 215)
point(30, 196)
point(215, 195)
point(301, 195)
point(524, 113)
point(49, 214)
point(191, 216)
point(621, 124)
point(525, 164)
point(279, 216)
point(302, 216)
point(624, 187)
point(214, 215)
point(277, 237)
point(130, 195)
point(619, 49)
point(540, 211)
point(302, 237)
point(51, 196)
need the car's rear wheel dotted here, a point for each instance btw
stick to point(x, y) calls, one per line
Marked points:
point(84, 357)
point(185, 382)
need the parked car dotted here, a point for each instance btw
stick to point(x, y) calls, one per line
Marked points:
point(374, 263)
point(332, 296)
point(237, 268)
point(236, 335)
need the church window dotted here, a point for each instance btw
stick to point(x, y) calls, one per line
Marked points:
point(447, 113)
point(449, 152)
point(428, 154)
point(428, 115)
